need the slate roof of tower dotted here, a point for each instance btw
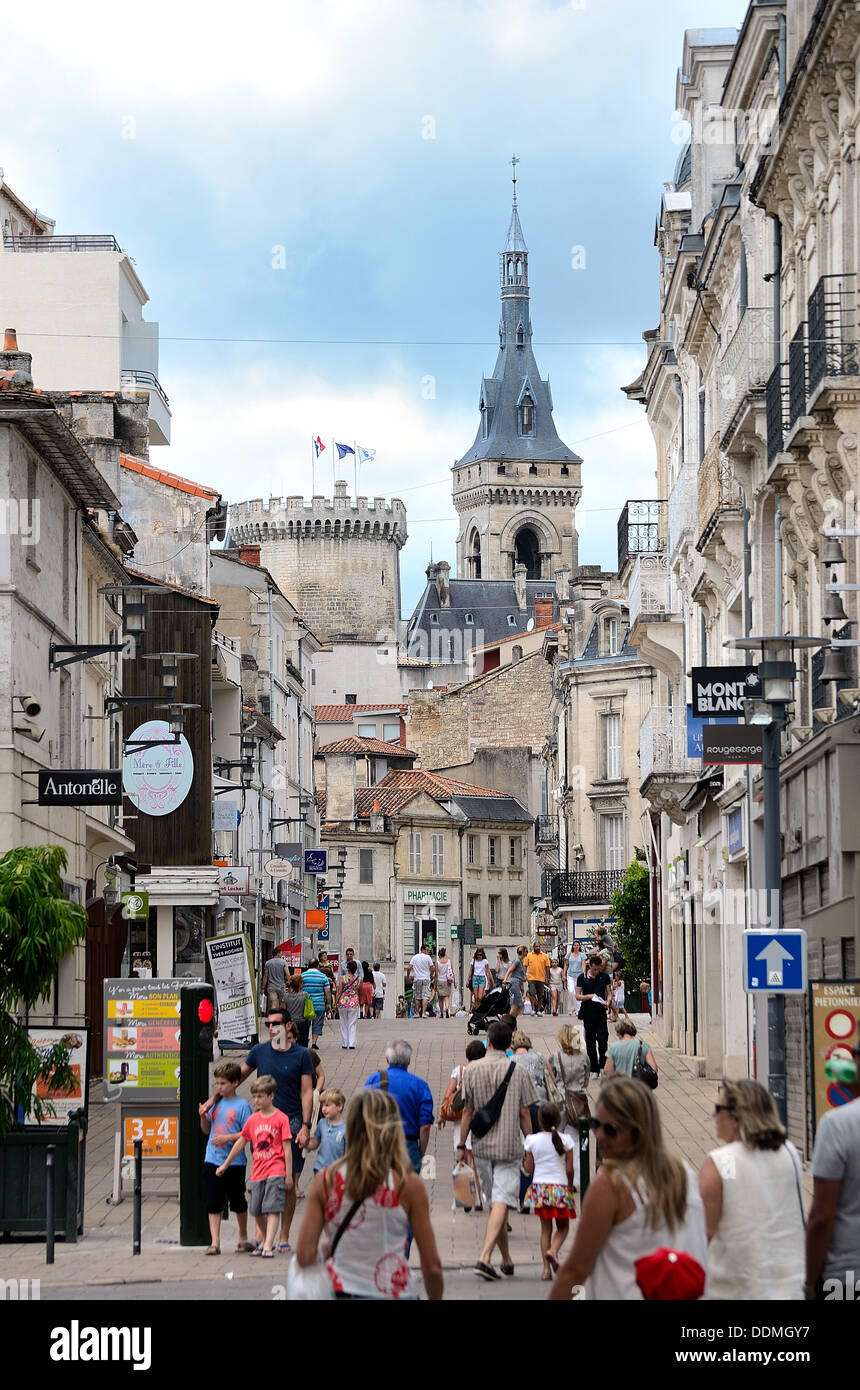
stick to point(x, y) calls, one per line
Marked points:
point(491, 601)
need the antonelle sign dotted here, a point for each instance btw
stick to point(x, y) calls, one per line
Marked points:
point(719, 692)
point(81, 787)
point(159, 778)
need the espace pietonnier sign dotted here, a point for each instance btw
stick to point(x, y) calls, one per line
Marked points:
point(719, 692)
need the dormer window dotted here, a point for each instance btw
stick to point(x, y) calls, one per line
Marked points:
point(485, 421)
point(521, 335)
point(527, 415)
point(470, 617)
point(512, 622)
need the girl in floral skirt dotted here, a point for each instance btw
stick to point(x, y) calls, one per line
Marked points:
point(549, 1161)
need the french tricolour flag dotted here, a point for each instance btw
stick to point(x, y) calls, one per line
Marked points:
point(318, 446)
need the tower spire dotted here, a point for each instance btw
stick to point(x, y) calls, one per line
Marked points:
point(515, 240)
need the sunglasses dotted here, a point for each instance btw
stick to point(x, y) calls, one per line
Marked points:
point(728, 1109)
point(611, 1131)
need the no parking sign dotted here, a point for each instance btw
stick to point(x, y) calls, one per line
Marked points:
point(834, 1030)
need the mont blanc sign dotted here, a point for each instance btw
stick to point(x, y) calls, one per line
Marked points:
point(719, 691)
point(81, 787)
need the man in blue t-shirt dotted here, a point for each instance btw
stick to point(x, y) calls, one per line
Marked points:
point(294, 1074)
point(414, 1098)
point(318, 986)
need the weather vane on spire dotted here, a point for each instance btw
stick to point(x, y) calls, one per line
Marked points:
point(514, 163)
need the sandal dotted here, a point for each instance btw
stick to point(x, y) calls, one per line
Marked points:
point(552, 1262)
point(257, 1251)
point(267, 1254)
point(284, 1247)
point(547, 1273)
point(214, 1250)
point(244, 1247)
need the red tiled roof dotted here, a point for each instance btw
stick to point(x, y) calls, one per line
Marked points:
point(397, 789)
point(342, 714)
point(375, 746)
point(170, 479)
point(518, 637)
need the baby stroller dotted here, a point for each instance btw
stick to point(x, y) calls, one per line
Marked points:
point(495, 1002)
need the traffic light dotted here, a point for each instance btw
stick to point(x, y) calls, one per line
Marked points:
point(196, 1049)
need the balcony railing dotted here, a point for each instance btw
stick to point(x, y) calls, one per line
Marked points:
point(833, 329)
point(641, 529)
point(582, 889)
point(663, 744)
point(681, 509)
point(746, 363)
point(60, 243)
point(797, 375)
point(649, 589)
point(546, 830)
point(148, 379)
point(718, 489)
point(776, 409)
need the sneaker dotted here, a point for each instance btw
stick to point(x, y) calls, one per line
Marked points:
point(486, 1271)
point(508, 1271)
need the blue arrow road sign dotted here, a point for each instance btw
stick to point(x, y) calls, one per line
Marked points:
point(775, 962)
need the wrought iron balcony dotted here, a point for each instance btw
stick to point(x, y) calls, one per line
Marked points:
point(47, 244)
point(584, 889)
point(546, 830)
point(797, 375)
point(650, 590)
point(663, 745)
point(776, 404)
point(641, 529)
point(746, 364)
point(681, 509)
point(833, 329)
point(718, 490)
point(147, 379)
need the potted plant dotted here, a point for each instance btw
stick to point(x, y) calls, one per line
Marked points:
point(38, 927)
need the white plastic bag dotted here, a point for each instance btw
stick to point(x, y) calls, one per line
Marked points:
point(311, 1284)
point(465, 1185)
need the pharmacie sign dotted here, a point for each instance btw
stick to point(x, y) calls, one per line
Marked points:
point(719, 692)
point(81, 787)
point(427, 895)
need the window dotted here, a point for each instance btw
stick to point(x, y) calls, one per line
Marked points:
point(472, 851)
point(485, 421)
point(493, 851)
point(434, 617)
point(512, 622)
point(473, 908)
point(495, 905)
point(365, 936)
point(514, 859)
point(350, 699)
point(515, 916)
point(391, 733)
point(527, 415)
point(313, 676)
point(500, 471)
point(470, 617)
point(613, 842)
point(516, 655)
point(437, 854)
point(367, 731)
point(612, 745)
point(612, 637)
point(414, 852)
point(365, 866)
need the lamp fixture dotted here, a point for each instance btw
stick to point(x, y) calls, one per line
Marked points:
point(169, 669)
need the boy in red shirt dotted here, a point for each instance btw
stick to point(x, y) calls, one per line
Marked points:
point(268, 1131)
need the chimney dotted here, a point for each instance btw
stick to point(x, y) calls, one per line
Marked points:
point(520, 573)
point(340, 787)
point(443, 584)
point(562, 584)
point(16, 366)
point(341, 488)
point(250, 554)
point(377, 819)
point(543, 611)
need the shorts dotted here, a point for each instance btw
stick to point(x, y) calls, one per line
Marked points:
point(228, 1188)
point(537, 989)
point(267, 1197)
point(500, 1180)
point(378, 1001)
point(317, 1023)
point(516, 994)
point(299, 1155)
point(420, 990)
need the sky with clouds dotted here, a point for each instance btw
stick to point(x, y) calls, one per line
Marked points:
point(315, 195)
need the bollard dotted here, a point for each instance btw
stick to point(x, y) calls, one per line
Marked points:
point(50, 1178)
point(138, 1194)
point(584, 1156)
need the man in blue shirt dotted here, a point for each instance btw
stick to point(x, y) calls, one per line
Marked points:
point(318, 986)
point(413, 1096)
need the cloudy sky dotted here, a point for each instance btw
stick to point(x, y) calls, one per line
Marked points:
point(314, 196)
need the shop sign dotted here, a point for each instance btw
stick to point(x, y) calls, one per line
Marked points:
point(232, 967)
point(226, 816)
point(233, 880)
point(719, 692)
point(739, 743)
point(316, 861)
point(141, 1030)
point(157, 779)
point(63, 1102)
point(89, 787)
point(135, 906)
point(159, 1135)
point(427, 895)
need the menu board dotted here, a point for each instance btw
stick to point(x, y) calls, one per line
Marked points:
point(142, 1039)
point(62, 1102)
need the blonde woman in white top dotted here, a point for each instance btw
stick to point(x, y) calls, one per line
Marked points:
point(751, 1188)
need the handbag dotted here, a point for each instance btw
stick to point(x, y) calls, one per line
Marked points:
point(484, 1119)
point(643, 1071)
point(452, 1103)
point(554, 1094)
point(313, 1283)
point(309, 1011)
point(575, 1101)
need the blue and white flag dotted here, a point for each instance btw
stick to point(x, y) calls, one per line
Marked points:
point(343, 449)
point(365, 455)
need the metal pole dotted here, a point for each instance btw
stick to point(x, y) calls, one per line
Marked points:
point(138, 1195)
point(773, 887)
point(584, 1157)
point(50, 1194)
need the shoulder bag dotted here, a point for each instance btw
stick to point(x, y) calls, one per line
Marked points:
point(313, 1284)
point(484, 1119)
point(554, 1094)
point(575, 1101)
point(643, 1071)
point(452, 1102)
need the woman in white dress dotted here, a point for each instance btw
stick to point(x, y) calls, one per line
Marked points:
point(642, 1199)
point(751, 1188)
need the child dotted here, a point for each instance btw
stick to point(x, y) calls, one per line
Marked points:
point(549, 1158)
point(223, 1124)
point(330, 1134)
point(400, 1011)
point(268, 1130)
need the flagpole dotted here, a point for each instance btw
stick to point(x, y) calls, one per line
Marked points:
point(313, 469)
point(355, 468)
point(333, 470)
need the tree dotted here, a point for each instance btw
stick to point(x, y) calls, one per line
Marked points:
point(631, 906)
point(38, 927)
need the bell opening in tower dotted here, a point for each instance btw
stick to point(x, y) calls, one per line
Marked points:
point(527, 552)
point(475, 557)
